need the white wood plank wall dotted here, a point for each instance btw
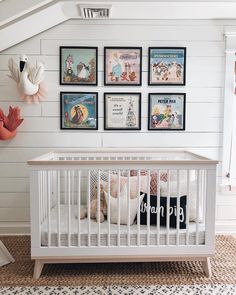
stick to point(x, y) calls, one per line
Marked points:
point(41, 133)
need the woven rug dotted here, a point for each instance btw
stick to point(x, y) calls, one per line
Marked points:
point(122, 274)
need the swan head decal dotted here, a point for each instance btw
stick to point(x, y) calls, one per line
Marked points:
point(23, 61)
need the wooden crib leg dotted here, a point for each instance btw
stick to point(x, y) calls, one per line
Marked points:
point(38, 267)
point(206, 265)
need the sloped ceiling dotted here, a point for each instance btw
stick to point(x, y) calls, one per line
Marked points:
point(22, 19)
point(12, 9)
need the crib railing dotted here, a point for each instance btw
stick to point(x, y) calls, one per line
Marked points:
point(64, 184)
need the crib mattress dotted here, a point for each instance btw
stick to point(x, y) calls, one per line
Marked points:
point(113, 232)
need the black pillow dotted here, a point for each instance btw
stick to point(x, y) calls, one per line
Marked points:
point(163, 210)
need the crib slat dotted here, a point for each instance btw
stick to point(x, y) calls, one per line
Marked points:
point(78, 205)
point(128, 196)
point(49, 206)
point(88, 206)
point(73, 186)
point(109, 209)
point(69, 206)
point(65, 189)
point(204, 197)
point(58, 210)
point(178, 209)
point(98, 209)
point(168, 210)
point(138, 215)
point(148, 208)
point(158, 205)
point(44, 191)
point(118, 212)
point(51, 189)
point(41, 186)
point(188, 207)
point(41, 196)
point(197, 207)
point(201, 192)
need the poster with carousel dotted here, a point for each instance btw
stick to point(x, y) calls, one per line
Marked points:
point(122, 111)
point(78, 65)
point(166, 111)
point(167, 66)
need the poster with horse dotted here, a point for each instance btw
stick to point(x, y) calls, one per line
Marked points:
point(79, 110)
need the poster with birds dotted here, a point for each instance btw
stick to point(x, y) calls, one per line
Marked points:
point(78, 65)
point(9, 123)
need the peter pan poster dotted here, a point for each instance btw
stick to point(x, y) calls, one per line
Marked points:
point(166, 111)
point(79, 111)
point(123, 66)
point(167, 66)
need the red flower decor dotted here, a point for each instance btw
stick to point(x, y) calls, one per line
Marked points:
point(8, 124)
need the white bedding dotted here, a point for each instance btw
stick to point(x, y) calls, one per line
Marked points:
point(113, 232)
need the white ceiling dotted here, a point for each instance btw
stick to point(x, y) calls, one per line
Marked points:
point(12, 9)
point(138, 1)
point(22, 19)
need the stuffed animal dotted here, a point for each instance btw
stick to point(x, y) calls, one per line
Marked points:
point(83, 213)
point(29, 79)
point(94, 205)
point(8, 124)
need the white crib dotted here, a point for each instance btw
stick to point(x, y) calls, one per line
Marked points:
point(63, 184)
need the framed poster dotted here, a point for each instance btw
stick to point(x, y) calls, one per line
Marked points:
point(166, 111)
point(79, 110)
point(122, 111)
point(167, 66)
point(123, 66)
point(78, 65)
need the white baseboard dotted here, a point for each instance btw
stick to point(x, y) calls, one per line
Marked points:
point(226, 227)
point(14, 228)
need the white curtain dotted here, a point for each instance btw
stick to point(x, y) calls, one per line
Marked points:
point(231, 174)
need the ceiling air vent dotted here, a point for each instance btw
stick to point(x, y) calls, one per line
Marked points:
point(95, 12)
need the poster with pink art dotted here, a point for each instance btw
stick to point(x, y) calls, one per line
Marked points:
point(123, 66)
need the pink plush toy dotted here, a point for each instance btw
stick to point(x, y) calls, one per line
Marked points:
point(8, 124)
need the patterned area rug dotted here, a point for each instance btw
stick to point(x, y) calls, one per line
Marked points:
point(119, 274)
point(129, 290)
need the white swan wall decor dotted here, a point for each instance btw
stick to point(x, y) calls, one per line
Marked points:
point(29, 79)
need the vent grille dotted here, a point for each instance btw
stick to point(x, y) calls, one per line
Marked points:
point(95, 12)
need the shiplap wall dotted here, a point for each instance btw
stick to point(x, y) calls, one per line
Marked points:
point(40, 131)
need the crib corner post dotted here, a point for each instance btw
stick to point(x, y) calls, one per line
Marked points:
point(35, 207)
point(206, 265)
point(38, 267)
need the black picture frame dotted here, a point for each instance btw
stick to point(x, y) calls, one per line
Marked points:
point(76, 83)
point(138, 95)
point(129, 83)
point(62, 110)
point(183, 83)
point(153, 120)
